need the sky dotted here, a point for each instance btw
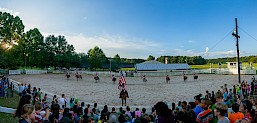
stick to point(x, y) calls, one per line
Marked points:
point(139, 28)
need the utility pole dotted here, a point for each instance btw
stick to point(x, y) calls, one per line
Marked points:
point(235, 33)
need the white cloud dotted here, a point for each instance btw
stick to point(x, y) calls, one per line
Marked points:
point(206, 49)
point(135, 48)
point(9, 11)
point(112, 44)
point(205, 54)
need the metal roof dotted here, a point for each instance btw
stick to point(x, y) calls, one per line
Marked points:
point(155, 65)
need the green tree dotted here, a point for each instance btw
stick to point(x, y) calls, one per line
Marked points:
point(150, 57)
point(96, 57)
point(11, 29)
point(116, 62)
point(31, 46)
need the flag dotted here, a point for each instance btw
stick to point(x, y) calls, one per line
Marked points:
point(122, 81)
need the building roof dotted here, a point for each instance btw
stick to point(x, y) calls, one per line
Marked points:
point(155, 65)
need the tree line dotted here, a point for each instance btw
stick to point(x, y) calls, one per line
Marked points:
point(30, 49)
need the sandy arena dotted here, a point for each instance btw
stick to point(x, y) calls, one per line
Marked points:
point(105, 92)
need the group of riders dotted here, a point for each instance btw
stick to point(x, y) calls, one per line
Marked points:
point(122, 86)
point(168, 78)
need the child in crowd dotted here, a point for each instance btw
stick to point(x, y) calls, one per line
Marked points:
point(38, 108)
point(220, 111)
point(236, 116)
point(206, 115)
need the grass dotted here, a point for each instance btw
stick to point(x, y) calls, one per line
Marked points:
point(10, 102)
point(207, 66)
point(128, 69)
point(7, 118)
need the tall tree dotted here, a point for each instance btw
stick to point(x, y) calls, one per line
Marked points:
point(150, 57)
point(96, 57)
point(11, 29)
point(31, 46)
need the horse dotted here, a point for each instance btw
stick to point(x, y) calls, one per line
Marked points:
point(144, 80)
point(97, 78)
point(113, 80)
point(195, 77)
point(78, 76)
point(167, 79)
point(124, 96)
point(67, 76)
point(185, 78)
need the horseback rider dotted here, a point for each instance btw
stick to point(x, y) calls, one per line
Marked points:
point(96, 77)
point(167, 78)
point(144, 79)
point(67, 74)
point(123, 90)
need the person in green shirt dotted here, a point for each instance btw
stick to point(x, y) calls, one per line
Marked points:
point(39, 93)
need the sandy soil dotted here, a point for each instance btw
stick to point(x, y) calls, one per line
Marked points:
point(141, 94)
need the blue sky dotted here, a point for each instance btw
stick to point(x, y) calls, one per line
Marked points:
point(139, 28)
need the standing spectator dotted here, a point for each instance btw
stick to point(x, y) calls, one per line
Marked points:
point(39, 93)
point(236, 116)
point(246, 109)
point(29, 89)
point(5, 90)
point(62, 101)
point(25, 87)
point(38, 108)
point(220, 111)
point(26, 99)
point(205, 116)
point(55, 99)
point(45, 97)
point(198, 108)
point(96, 109)
point(113, 117)
point(20, 90)
point(105, 112)
point(164, 113)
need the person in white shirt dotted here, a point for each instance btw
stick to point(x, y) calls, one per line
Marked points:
point(62, 101)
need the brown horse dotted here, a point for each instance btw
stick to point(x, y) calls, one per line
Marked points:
point(185, 78)
point(124, 97)
point(167, 79)
point(78, 76)
point(195, 77)
point(113, 80)
point(97, 78)
point(67, 76)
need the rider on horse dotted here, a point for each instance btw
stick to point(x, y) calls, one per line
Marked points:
point(167, 78)
point(144, 79)
point(67, 74)
point(123, 90)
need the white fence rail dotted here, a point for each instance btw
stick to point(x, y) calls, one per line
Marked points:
point(36, 71)
point(14, 72)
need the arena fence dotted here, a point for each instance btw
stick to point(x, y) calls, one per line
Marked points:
point(101, 106)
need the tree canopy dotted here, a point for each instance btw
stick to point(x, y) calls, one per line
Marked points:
point(30, 49)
